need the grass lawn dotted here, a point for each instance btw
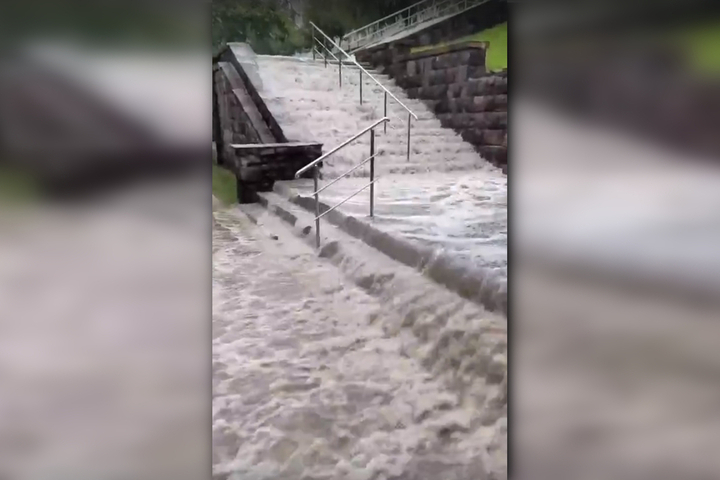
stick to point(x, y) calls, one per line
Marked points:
point(223, 185)
point(496, 57)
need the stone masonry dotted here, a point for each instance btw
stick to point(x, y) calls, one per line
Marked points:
point(236, 124)
point(264, 163)
point(454, 82)
point(250, 144)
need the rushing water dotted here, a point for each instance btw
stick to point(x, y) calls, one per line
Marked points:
point(314, 378)
point(463, 213)
point(445, 195)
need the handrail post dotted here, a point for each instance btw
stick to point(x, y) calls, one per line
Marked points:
point(352, 60)
point(340, 71)
point(313, 43)
point(321, 158)
point(360, 71)
point(385, 113)
point(316, 174)
point(408, 137)
point(372, 172)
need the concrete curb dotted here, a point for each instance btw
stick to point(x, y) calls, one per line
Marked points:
point(479, 285)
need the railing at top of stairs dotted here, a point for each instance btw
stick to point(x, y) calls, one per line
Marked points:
point(350, 60)
point(404, 19)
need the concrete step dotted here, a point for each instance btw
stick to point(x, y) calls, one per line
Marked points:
point(427, 316)
point(479, 285)
point(310, 106)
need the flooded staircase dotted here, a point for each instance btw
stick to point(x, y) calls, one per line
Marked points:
point(434, 188)
point(306, 99)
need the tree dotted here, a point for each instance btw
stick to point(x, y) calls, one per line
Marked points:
point(269, 27)
point(264, 25)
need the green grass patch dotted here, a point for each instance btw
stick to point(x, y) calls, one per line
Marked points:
point(496, 55)
point(223, 185)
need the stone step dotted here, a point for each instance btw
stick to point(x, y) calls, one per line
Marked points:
point(341, 235)
point(305, 98)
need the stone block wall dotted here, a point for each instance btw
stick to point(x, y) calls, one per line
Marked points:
point(236, 54)
point(234, 124)
point(239, 120)
point(264, 164)
point(261, 154)
point(454, 82)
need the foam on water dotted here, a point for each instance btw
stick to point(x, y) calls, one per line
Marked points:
point(446, 195)
point(314, 378)
point(463, 214)
point(305, 98)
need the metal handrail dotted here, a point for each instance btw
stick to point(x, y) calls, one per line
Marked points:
point(345, 174)
point(358, 38)
point(367, 27)
point(316, 175)
point(374, 28)
point(386, 92)
point(348, 198)
point(325, 59)
point(344, 144)
point(352, 60)
point(328, 50)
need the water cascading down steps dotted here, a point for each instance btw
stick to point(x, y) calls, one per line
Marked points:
point(444, 195)
point(305, 98)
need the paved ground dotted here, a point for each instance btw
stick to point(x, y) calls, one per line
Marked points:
point(307, 386)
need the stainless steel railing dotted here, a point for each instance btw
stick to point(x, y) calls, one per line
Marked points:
point(404, 19)
point(352, 38)
point(351, 60)
point(316, 175)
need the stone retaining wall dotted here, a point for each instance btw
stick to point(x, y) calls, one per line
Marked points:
point(239, 121)
point(241, 57)
point(241, 118)
point(264, 164)
point(454, 82)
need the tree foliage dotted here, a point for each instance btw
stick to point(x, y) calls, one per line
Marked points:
point(337, 17)
point(262, 24)
point(269, 27)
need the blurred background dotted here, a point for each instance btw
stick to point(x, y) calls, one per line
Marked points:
point(615, 239)
point(105, 230)
point(104, 240)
